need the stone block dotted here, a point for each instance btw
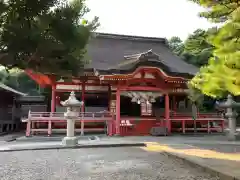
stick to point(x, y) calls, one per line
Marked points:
point(158, 131)
point(233, 137)
point(70, 141)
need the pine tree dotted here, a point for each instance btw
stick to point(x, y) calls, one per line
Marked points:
point(44, 35)
point(222, 73)
point(197, 49)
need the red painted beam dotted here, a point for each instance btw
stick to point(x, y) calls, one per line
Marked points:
point(145, 70)
point(41, 79)
point(86, 83)
point(142, 88)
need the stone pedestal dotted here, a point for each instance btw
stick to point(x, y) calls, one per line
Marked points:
point(233, 136)
point(70, 141)
point(70, 127)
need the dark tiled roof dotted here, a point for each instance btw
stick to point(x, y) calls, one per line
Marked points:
point(9, 89)
point(106, 51)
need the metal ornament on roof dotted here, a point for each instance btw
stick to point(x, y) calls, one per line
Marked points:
point(72, 101)
point(61, 80)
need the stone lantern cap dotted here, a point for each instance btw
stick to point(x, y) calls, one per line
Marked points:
point(72, 101)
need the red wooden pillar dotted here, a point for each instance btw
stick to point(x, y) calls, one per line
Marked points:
point(167, 113)
point(53, 108)
point(109, 98)
point(111, 122)
point(53, 101)
point(83, 97)
point(118, 116)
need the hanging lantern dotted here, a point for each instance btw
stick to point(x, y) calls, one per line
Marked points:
point(138, 101)
point(147, 102)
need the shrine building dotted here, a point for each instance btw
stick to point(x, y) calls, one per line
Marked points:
point(131, 86)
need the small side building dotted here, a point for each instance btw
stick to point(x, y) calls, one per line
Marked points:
point(32, 103)
point(10, 109)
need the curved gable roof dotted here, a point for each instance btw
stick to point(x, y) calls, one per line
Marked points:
point(108, 50)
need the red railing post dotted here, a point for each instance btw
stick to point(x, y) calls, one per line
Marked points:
point(109, 125)
point(28, 128)
point(167, 113)
point(183, 126)
point(208, 126)
point(222, 124)
point(50, 125)
point(118, 113)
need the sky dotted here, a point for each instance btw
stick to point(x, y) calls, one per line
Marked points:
point(152, 18)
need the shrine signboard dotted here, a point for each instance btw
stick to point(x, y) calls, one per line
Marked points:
point(146, 109)
point(113, 107)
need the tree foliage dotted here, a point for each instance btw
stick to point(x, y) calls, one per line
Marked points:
point(46, 35)
point(222, 73)
point(217, 11)
point(195, 49)
point(176, 45)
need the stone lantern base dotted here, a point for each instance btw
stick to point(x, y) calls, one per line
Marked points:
point(233, 137)
point(70, 141)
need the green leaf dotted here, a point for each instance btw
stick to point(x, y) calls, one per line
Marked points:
point(45, 36)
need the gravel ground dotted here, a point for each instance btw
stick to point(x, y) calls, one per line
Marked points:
point(96, 164)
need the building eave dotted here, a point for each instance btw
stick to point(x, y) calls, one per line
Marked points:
point(7, 88)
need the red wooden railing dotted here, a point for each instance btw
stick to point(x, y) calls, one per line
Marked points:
point(204, 119)
point(144, 124)
point(128, 125)
point(35, 118)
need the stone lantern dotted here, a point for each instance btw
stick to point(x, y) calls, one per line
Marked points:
point(231, 114)
point(73, 109)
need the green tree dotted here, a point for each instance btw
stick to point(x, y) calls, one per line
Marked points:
point(217, 11)
point(176, 45)
point(46, 36)
point(197, 50)
point(222, 73)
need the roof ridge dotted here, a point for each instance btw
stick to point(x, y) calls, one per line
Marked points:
point(130, 37)
point(139, 57)
point(146, 54)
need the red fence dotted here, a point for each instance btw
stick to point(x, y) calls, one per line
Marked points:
point(35, 119)
point(128, 126)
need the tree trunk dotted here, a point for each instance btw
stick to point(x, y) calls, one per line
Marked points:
point(194, 115)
